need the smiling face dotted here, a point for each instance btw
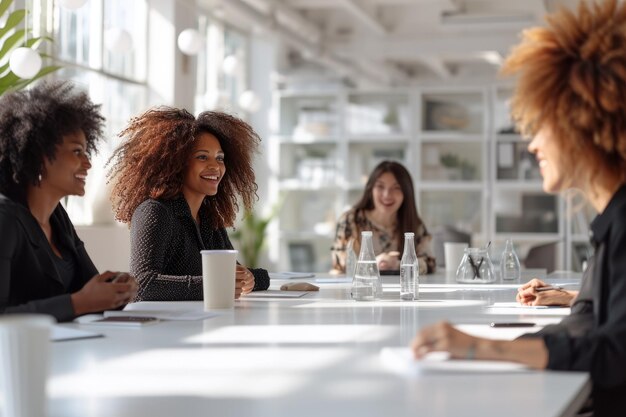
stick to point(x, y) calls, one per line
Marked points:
point(550, 155)
point(387, 194)
point(205, 168)
point(66, 175)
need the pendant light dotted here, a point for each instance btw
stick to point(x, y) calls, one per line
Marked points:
point(25, 62)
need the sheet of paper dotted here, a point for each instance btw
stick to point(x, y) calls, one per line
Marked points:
point(274, 294)
point(184, 310)
point(337, 280)
point(291, 275)
point(516, 308)
point(400, 359)
point(62, 333)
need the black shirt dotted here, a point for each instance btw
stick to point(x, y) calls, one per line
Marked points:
point(165, 250)
point(602, 350)
point(30, 281)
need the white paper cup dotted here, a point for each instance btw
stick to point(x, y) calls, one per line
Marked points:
point(218, 278)
point(453, 252)
point(24, 363)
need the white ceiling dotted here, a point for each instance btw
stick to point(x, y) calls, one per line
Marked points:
point(391, 42)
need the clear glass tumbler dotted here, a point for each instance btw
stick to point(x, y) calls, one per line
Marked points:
point(476, 267)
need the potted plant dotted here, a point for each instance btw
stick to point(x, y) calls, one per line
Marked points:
point(250, 236)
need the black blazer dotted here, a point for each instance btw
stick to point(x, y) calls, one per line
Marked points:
point(29, 280)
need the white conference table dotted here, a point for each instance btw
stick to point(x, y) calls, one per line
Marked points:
point(309, 356)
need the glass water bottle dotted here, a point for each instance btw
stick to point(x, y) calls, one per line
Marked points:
point(350, 259)
point(409, 270)
point(366, 284)
point(509, 262)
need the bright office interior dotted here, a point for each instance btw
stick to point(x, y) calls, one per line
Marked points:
point(332, 87)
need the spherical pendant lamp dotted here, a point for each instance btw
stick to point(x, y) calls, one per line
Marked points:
point(72, 4)
point(25, 62)
point(249, 101)
point(190, 42)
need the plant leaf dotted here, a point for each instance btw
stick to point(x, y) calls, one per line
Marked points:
point(4, 6)
point(13, 20)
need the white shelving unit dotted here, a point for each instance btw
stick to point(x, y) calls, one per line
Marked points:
point(471, 170)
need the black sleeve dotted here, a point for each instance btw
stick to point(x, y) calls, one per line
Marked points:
point(261, 276)
point(602, 351)
point(151, 232)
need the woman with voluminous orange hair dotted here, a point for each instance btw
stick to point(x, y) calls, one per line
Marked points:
point(571, 99)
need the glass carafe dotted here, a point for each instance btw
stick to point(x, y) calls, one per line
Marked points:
point(366, 284)
point(509, 263)
point(350, 259)
point(409, 270)
point(476, 267)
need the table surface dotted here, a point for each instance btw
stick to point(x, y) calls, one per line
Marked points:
point(310, 356)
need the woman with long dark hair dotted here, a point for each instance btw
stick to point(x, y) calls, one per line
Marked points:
point(387, 208)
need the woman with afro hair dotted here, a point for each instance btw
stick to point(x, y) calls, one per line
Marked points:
point(47, 134)
point(571, 99)
point(177, 180)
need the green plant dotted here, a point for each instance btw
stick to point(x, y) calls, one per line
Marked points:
point(250, 236)
point(12, 37)
point(449, 160)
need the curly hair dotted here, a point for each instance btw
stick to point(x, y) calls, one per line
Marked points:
point(407, 216)
point(32, 125)
point(151, 162)
point(572, 79)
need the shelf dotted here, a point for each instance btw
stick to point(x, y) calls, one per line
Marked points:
point(509, 137)
point(452, 185)
point(467, 174)
point(451, 136)
point(297, 185)
point(519, 185)
point(381, 139)
point(308, 235)
point(529, 237)
point(313, 140)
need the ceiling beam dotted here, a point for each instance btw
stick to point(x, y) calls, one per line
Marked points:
point(361, 14)
point(322, 56)
point(437, 66)
point(420, 46)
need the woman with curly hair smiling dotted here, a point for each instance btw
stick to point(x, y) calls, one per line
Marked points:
point(571, 99)
point(177, 180)
point(46, 137)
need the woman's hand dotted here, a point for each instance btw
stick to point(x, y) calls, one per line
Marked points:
point(528, 295)
point(106, 291)
point(388, 261)
point(244, 281)
point(443, 337)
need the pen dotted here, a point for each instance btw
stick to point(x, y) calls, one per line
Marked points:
point(513, 324)
point(548, 288)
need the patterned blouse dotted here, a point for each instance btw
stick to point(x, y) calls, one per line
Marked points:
point(165, 251)
point(352, 223)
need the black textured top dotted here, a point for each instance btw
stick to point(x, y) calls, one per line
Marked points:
point(165, 251)
point(601, 351)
